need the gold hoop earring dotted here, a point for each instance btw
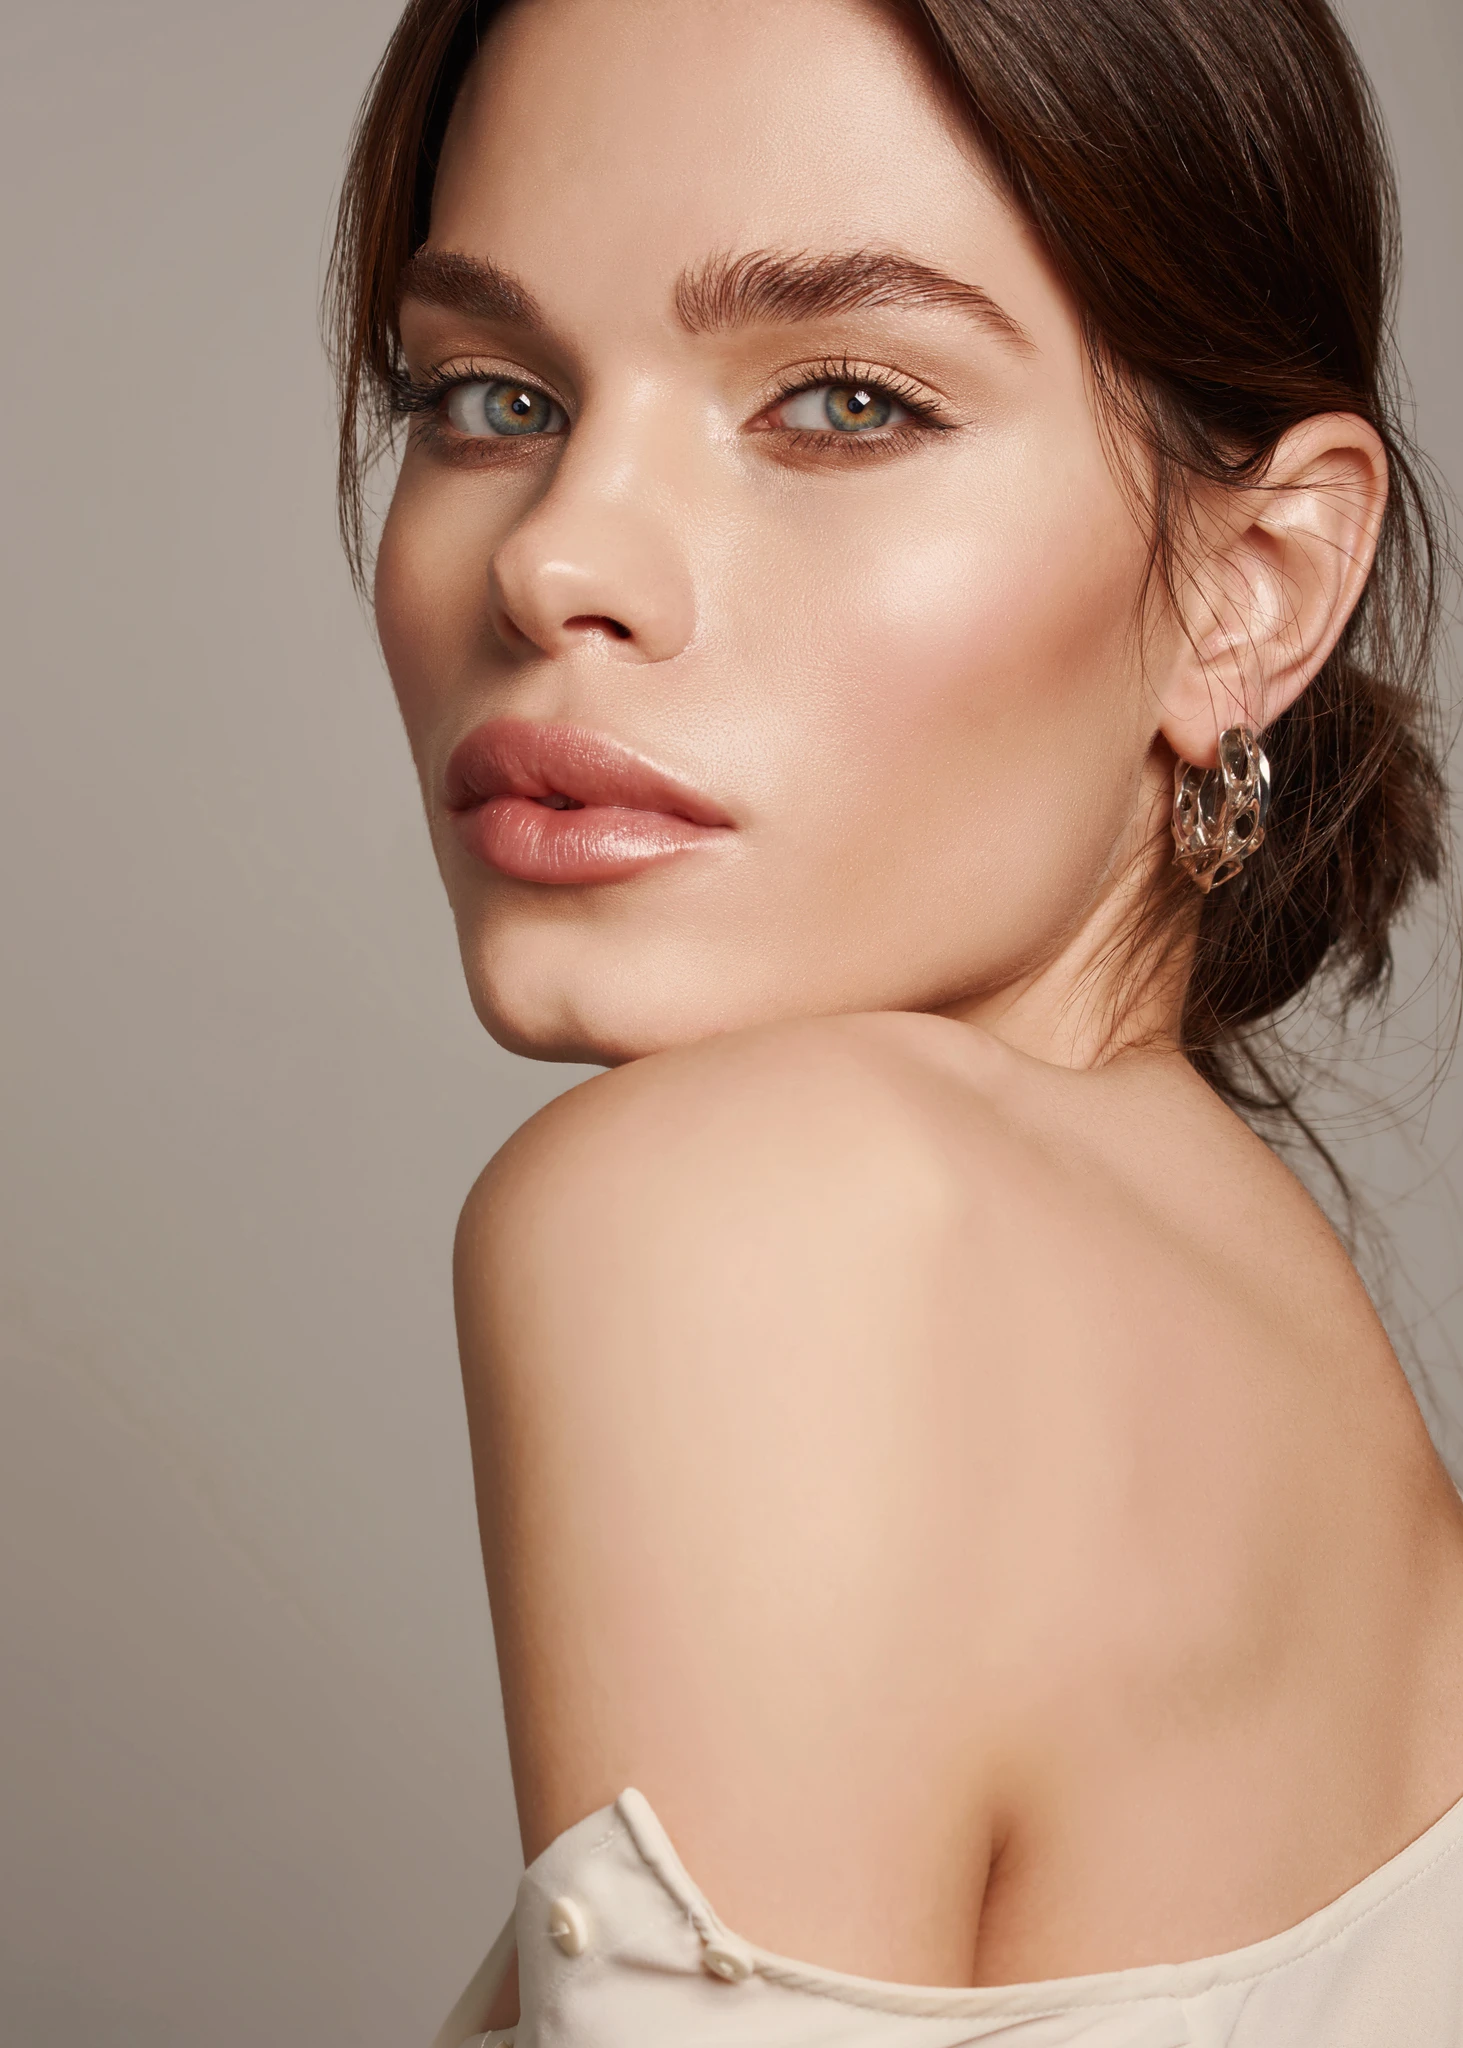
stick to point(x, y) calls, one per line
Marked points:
point(1219, 813)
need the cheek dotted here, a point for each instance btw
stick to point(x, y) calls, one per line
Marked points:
point(976, 636)
point(953, 714)
point(429, 599)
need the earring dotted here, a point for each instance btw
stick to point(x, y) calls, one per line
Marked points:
point(1219, 813)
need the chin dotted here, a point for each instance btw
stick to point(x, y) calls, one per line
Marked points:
point(575, 1000)
point(556, 1032)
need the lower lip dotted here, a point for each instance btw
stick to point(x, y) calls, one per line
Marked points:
point(533, 842)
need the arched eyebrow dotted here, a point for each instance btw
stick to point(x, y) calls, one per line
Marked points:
point(762, 287)
point(471, 285)
point(773, 287)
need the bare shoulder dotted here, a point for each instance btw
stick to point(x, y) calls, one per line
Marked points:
point(885, 1433)
point(904, 1196)
point(1047, 1278)
point(745, 1358)
point(792, 1212)
point(820, 1132)
point(759, 1233)
point(818, 1097)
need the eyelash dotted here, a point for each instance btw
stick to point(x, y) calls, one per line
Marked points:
point(422, 399)
point(925, 415)
point(411, 397)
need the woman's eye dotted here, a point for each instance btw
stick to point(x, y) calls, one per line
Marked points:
point(843, 408)
point(498, 405)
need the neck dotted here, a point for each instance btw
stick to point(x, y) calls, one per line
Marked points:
point(1116, 985)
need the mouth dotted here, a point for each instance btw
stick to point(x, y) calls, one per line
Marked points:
point(559, 804)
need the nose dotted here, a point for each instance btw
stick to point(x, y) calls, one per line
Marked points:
point(600, 556)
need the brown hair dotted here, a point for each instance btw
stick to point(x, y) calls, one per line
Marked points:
point(1210, 178)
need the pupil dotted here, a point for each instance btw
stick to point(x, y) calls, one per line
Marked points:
point(522, 404)
point(860, 401)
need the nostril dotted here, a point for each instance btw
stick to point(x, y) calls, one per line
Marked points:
point(511, 633)
point(588, 622)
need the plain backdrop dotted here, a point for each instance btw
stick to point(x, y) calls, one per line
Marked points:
point(254, 1782)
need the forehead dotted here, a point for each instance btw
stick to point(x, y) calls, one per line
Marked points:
point(603, 145)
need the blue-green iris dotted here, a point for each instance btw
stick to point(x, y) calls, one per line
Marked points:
point(498, 405)
point(851, 407)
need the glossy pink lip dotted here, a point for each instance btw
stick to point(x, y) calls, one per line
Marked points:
point(554, 803)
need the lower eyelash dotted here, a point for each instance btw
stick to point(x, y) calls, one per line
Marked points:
point(840, 447)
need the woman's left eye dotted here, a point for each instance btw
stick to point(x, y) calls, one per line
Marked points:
point(842, 409)
point(490, 406)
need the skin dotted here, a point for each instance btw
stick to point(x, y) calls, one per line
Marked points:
point(923, 1440)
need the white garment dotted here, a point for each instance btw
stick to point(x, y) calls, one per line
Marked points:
point(617, 1948)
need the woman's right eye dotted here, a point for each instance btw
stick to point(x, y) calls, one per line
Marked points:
point(488, 408)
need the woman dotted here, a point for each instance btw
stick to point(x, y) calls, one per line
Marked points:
point(888, 495)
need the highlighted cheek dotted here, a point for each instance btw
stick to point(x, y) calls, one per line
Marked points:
point(431, 602)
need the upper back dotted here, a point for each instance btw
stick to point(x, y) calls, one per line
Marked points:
point(866, 1400)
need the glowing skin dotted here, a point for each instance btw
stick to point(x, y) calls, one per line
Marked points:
point(903, 664)
point(845, 1480)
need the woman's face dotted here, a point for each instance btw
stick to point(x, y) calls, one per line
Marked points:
point(757, 592)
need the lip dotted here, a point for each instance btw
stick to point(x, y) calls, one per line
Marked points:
point(615, 812)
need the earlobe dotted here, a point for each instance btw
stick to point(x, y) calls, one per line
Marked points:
point(1277, 570)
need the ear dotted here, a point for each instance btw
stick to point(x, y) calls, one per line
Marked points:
point(1275, 572)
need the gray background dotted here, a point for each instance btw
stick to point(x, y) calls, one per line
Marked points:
point(254, 1784)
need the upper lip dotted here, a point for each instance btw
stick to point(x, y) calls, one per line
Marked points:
point(516, 757)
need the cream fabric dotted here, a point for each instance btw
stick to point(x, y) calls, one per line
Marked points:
point(640, 1960)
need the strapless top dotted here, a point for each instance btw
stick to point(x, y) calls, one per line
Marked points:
point(618, 1948)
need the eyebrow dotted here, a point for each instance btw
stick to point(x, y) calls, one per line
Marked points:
point(762, 287)
point(471, 285)
point(768, 286)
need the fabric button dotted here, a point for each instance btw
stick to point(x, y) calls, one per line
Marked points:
point(727, 1958)
point(568, 1927)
